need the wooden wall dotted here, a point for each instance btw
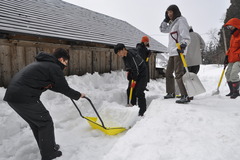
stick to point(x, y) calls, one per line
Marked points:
point(15, 54)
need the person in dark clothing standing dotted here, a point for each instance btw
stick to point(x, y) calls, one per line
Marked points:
point(138, 68)
point(144, 53)
point(24, 91)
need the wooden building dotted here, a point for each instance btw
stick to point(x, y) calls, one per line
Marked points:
point(28, 27)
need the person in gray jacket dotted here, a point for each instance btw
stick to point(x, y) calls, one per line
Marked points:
point(193, 54)
point(174, 22)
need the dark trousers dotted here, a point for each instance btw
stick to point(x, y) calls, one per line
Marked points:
point(41, 124)
point(175, 65)
point(194, 69)
point(138, 93)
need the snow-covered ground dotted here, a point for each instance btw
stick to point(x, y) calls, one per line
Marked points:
point(208, 128)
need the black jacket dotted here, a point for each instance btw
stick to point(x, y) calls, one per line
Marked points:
point(143, 51)
point(135, 64)
point(45, 73)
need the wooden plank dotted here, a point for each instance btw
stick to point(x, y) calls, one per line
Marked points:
point(70, 64)
point(108, 61)
point(102, 58)
point(1, 64)
point(17, 58)
point(21, 57)
point(74, 62)
point(114, 62)
point(6, 64)
point(82, 62)
point(13, 52)
point(96, 61)
point(30, 54)
point(89, 60)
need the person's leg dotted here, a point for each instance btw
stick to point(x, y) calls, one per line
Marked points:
point(140, 87)
point(170, 82)
point(179, 72)
point(41, 124)
point(227, 75)
point(234, 78)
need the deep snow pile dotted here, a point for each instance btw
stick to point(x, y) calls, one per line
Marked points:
point(208, 128)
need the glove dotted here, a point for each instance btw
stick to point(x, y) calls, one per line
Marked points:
point(133, 84)
point(183, 47)
point(226, 60)
point(167, 19)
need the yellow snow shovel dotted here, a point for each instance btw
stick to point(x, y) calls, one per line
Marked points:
point(191, 81)
point(93, 121)
point(216, 92)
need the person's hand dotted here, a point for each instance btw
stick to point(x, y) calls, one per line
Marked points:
point(82, 95)
point(183, 47)
point(167, 19)
point(226, 60)
point(133, 84)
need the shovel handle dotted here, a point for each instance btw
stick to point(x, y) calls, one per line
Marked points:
point(93, 109)
point(220, 80)
point(130, 94)
point(178, 47)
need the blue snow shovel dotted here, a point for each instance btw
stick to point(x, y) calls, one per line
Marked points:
point(191, 81)
point(93, 121)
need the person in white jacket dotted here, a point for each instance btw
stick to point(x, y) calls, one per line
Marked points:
point(175, 23)
point(193, 54)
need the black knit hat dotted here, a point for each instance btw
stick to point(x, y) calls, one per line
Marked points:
point(176, 11)
point(119, 47)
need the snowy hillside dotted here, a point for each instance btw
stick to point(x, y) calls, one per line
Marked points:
point(207, 128)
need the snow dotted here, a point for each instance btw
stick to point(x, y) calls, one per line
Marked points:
point(207, 128)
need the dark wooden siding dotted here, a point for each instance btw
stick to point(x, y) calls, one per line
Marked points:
point(15, 54)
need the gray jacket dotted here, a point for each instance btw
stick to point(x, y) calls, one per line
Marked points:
point(193, 54)
point(179, 25)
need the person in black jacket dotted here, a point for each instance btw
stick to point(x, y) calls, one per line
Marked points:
point(24, 91)
point(144, 53)
point(136, 64)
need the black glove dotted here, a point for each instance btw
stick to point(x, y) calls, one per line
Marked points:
point(226, 60)
point(129, 76)
point(167, 19)
point(183, 47)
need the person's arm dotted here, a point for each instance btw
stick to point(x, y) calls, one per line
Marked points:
point(165, 27)
point(60, 84)
point(184, 32)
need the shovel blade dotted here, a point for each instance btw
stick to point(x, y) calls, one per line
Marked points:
point(109, 130)
point(192, 84)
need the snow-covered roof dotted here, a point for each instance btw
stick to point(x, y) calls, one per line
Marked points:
point(59, 19)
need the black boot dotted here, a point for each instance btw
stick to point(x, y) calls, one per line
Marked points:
point(184, 99)
point(53, 155)
point(235, 86)
point(231, 89)
point(169, 95)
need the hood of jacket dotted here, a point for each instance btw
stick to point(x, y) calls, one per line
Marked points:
point(235, 22)
point(49, 58)
point(46, 57)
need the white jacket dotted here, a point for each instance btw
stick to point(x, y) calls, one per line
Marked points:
point(193, 54)
point(180, 26)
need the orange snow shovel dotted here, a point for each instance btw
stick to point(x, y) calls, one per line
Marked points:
point(93, 121)
point(191, 81)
